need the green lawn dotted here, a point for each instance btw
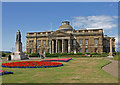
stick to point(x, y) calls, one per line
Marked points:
point(77, 70)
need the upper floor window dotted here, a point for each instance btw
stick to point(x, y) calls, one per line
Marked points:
point(48, 42)
point(44, 42)
point(86, 41)
point(39, 42)
point(31, 43)
point(80, 42)
point(86, 30)
point(74, 42)
point(31, 33)
point(96, 41)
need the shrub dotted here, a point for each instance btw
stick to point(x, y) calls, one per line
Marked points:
point(62, 54)
point(79, 53)
point(71, 53)
point(117, 53)
point(34, 55)
point(87, 53)
point(3, 54)
point(117, 57)
point(51, 55)
point(28, 53)
point(104, 54)
point(95, 54)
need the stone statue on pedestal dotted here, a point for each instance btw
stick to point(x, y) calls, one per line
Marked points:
point(18, 54)
point(18, 36)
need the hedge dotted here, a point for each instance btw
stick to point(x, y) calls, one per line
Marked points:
point(77, 54)
point(34, 55)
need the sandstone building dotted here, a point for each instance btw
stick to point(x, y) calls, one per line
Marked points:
point(66, 39)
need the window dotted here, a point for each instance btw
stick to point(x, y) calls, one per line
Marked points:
point(80, 42)
point(31, 43)
point(86, 30)
point(38, 50)
point(39, 43)
point(44, 42)
point(96, 41)
point(48, 50)
point(74, 42)
point(81, 50)
point(43, 51)
point(31, 33)
point(86, 50)
point(48, 42)
point(86, 41)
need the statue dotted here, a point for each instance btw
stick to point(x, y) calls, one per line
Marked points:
point(18, 36)
point(18, 54)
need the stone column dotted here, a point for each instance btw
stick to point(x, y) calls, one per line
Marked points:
point(110, 54)
point(52, 46)
point(63, 46)
point(69, 46)
point(56, 46)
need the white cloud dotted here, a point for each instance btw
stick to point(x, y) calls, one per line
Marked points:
point(100, 22)
point(117, 42)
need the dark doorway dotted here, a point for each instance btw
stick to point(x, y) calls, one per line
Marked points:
point(66, 46)
point(59, 46)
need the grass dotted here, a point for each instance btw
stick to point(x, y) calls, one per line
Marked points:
point(77, 70)
point(117, 57)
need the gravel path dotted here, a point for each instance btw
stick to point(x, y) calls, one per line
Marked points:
point(112, 68)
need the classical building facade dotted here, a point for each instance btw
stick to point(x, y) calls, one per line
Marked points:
point(66, 39)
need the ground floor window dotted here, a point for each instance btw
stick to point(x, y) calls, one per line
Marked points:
point(38, 50)
point(48, 50)
point(86, 50)
point(80, 50)
point(43, 51)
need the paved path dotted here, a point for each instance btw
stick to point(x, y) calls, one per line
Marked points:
point(112, 68)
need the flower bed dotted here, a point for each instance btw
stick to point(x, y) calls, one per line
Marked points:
point(31, 64)
point(62, 60)
point(3, 72)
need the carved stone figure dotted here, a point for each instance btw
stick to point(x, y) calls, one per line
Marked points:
point(18, 54)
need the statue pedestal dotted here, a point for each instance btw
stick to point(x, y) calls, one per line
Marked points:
point(110, 56)
point(18, 56)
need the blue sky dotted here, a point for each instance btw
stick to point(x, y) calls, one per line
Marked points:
point(40, 16)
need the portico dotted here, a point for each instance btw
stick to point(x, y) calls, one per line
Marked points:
point(60, 46)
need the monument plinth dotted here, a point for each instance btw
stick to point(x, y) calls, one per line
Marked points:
point(18, 54)
point(110, 53)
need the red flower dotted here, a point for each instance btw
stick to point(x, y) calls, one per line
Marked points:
point(31, 64)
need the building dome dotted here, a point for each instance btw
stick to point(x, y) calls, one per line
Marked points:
point(65, 26)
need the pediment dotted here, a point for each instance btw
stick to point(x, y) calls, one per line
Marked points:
point(60, 33)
